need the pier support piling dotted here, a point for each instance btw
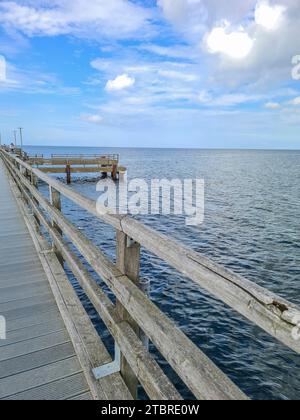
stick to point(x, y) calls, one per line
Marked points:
point(114, 173)
point(68, 172)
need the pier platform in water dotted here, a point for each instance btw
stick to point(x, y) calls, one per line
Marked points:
point(104, 165)
point(52, 350)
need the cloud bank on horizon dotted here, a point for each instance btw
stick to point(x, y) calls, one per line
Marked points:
point(174, 73)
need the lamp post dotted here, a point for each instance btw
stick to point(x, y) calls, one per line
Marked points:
point(21, 137)
point(15, 135)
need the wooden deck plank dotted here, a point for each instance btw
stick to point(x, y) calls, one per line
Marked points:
point(25, 303)
point(16, 237)
point(24, 255)
point(25, 278)
point(34, 310)
point(17, 268)
point(33, 345)
point(26, 291)
point(10, 229)
point(17, 249)
point(19, 284)
point(25, 275)
point(35, 360)
point(62, 389)
point(12, 247)
point(33, 320)
point(83, 397)
point(38, 377)
point(31, 332)
point(8, 245)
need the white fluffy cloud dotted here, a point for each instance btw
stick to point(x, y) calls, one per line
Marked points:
point(253, 29)
point(236, 44)
point(269, 16)
point(117, 18)
point(120, 83)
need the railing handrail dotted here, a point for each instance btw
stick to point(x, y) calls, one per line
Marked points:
point(88, 160)
point(85, 156)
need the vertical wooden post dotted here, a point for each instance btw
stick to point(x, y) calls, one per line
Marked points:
point(23, 173)
point(68, 172)
point(55, 200)
point(34, 182)
point(114, 172)
point(128, 262)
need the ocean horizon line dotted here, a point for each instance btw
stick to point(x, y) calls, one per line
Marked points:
point(167, 148)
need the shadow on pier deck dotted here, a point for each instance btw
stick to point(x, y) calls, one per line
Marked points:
point(52, 350)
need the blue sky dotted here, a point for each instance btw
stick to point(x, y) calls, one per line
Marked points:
point(165, 73)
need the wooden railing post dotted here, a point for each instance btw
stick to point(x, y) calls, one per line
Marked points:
point(68, 172)
point(55, 200)
point(23, 172)
point(128, 262)
point(34, 181)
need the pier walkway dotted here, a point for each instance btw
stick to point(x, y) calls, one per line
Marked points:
point(53, 350)
point(37, 359)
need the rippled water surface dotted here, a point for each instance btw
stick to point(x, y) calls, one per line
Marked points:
point(252, 209)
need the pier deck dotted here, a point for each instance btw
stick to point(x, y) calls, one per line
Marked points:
point(37, 359)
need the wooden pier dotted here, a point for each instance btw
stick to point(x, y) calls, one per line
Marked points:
point(75, 164)
point(67, 164)
point(52, 350)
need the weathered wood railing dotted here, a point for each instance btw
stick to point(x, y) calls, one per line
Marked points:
point(108, 159)
point(134, 310)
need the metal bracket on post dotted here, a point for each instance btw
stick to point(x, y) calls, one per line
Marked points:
point(111, 368)
point(130, 243)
